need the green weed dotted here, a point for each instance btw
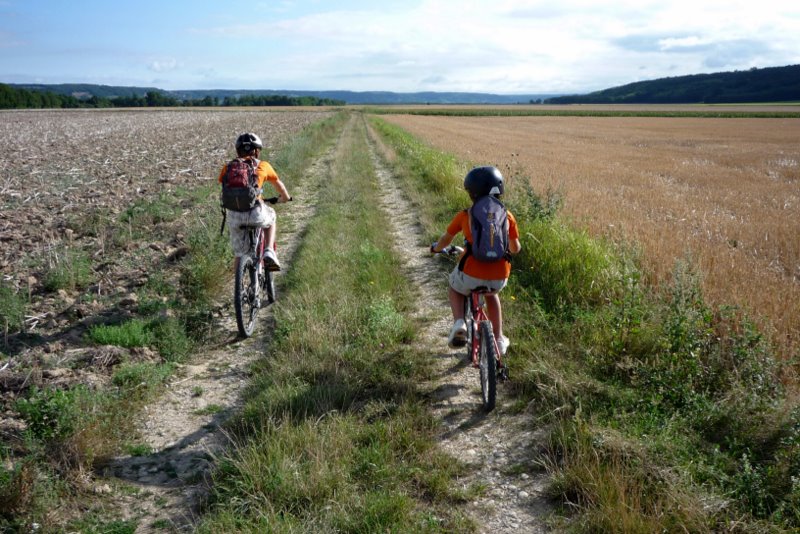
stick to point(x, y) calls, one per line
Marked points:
point(133, 333)
point(72, 428)
point(139, 449)
point(52, 414)
point(68, 268)
point(141, 376)
point(96, 524)
point(146, 213)
point(211, 409)
point(12, 308)
point(206, 271)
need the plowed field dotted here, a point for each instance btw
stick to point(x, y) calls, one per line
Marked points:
point(103, 196)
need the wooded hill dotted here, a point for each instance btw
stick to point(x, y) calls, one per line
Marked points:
point(86, 91)
point(21, 97)
point(774, 84)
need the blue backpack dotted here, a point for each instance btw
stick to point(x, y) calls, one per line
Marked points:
point(488, 221)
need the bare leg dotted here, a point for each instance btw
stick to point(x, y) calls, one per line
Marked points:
point(495, 313)
point(456, 303)
point(270, 234)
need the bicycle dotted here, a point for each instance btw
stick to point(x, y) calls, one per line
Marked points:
point(251, 280)
point(482, 348)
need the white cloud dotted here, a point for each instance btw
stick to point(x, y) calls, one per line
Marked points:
point(512, 45)
point(165, 65)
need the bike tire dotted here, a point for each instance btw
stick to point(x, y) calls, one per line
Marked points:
point(469, 321)
point(487, 365)
point(244, 295)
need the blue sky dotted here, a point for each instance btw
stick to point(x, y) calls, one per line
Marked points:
point(498, 46)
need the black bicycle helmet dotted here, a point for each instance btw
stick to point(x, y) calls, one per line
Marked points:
point(246, 142)
point(482, 181)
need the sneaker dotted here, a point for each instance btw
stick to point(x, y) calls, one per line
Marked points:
point(271, 260)
point(458, 335)
point(502, 344)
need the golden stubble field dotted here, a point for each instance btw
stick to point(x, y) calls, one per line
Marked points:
point(724, 192)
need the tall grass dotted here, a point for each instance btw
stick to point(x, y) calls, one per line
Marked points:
point(12, 308)
point(334, 436)
point(668, 414)
point(68, 268)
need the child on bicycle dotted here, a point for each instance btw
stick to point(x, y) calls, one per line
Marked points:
point(248, 147)
point(472, 273)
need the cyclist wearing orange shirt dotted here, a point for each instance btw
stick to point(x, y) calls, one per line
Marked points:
point(472, 273)
point(248, 146)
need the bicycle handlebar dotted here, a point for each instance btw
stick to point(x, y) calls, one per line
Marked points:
point(451, 250)
point(275, 200)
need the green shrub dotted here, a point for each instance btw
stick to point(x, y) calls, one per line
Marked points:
point(16, 489)
point(143, 214)
point(207, 268)
point(133, 333)
point(12, 308)
point(527, 205)
point(170, 339)
point(143, 376)
point(565, 267)
point(68, 269)
point(52, 414)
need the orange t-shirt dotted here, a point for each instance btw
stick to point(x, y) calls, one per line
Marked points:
point(264, 173)
point(495, 270)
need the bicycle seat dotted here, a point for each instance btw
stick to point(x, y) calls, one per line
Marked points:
point(483, 290)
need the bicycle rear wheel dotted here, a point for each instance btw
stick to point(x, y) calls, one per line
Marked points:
point(488, 366)
point(245, 295)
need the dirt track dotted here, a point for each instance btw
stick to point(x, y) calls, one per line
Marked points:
point(182, 427)
point(495, 445)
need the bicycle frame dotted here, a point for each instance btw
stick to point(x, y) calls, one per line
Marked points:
point(475, 314)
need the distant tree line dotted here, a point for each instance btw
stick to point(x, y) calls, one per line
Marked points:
point(19, 98)
point(773, 84)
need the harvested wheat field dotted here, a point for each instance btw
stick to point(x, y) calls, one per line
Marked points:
point(723, 192)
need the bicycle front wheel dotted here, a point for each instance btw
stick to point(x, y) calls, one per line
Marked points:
point(246, 295)
point(469, 321)
point(488, 366)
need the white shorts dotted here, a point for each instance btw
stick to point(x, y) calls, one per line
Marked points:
point(464, 283)
point(238, 221)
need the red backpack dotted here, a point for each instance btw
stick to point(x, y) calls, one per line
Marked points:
point(239, 185)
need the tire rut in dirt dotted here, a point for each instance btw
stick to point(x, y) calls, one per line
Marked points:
point(183, 428)
point(494, 445)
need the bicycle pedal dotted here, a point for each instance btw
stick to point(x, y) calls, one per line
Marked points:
point(502, 374)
